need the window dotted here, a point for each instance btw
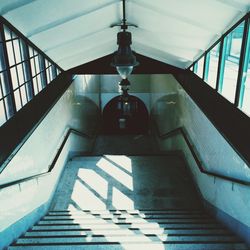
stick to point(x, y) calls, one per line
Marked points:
point(211, 69)
point(230, 62)
point(244, 102)
point(23, 72)
point(200, 66)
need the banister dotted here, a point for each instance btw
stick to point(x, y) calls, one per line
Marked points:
point(202, 169)
point(51, 167)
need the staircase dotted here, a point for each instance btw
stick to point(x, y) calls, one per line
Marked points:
point(127, 202)
point(128, 229)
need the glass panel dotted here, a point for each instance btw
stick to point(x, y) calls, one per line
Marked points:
point(23, 95)
point(32, 64)
point(212, 65)
point(7, 33)
point(10, 53)
point(26, 71)
point(14, 78)
point(9, 106)
point(37, 64)
point(5, 83)
point(230, 62)
point(200, 65)
point(2, 113)
point(39, 82)
point(17, 50)
point(35, 86)
point(244, 102)
point(191, 68)
point(20, 73)
point(29, 90)
point(2, 59)
point(23, 50)
point(31, 51)
point(17, 100)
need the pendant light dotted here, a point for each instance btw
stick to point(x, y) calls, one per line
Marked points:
point(124, 60)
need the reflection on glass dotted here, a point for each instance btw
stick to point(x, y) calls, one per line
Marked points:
point(244, 102)
point(230, 62)
point(200, 66)
point(17, 100)
point(2, 113)
point(212, 65)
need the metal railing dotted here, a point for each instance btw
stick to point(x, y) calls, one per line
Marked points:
point(202, 169)
point(52, 165)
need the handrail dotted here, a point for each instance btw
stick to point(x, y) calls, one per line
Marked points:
point(202, 169)
point(51, 167)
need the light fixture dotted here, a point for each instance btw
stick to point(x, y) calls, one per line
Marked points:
point(124, 60)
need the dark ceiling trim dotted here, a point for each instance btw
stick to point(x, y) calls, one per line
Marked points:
point(147, 66)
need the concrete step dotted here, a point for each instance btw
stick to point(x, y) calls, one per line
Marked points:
point(134, 246)
point(122, 216)
point(126, 238)
point(121, 231)
point(129, 211)
point(109, 226)
point(125, 220)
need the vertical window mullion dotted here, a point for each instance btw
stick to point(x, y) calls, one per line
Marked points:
point(243, 65)
point(13, 103)
point(30, 72)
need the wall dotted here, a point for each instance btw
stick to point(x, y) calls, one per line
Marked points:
point(140, 87)
point(172, 107)
point(77, 109)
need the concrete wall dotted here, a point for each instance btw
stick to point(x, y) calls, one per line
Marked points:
point(140, 87)
point(22, 205)
point(172, 107)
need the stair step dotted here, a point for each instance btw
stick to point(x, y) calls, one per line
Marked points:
point(121, 231)
point(132, 246)
point(128, 211)
point(125, 220)
point(109, 226)
point(123, 216)
point(124, 239)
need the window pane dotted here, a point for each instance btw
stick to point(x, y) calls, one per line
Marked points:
point(17, 50)
point(7, 33)
point(9, 106)
point(200, 65)
point(230, 62)
point(10, 53)
point(14, 77)
point(29, 90)
point(2, 113)
point(23, 95)
point(244, 102)
point(17, 100)
point(212, 65)
point(2, 59)
point(5, 83)
point(35, 86)
point(20, 73)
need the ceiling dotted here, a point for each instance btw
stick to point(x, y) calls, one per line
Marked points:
point(74, 32)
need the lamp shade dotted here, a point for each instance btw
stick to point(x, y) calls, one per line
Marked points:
point(124, 60)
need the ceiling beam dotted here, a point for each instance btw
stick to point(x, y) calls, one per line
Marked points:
point(68, 19)
point(14, 5)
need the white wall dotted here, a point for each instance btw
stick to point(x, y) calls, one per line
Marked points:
point(74, 110)
point(175, 108)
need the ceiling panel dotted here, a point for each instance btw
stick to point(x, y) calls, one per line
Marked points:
point(73, 32)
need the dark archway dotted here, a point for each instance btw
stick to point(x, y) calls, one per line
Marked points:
point(125, 115)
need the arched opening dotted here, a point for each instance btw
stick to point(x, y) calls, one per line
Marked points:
point(125, 115)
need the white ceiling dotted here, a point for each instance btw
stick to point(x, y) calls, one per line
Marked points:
point(73, 32)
